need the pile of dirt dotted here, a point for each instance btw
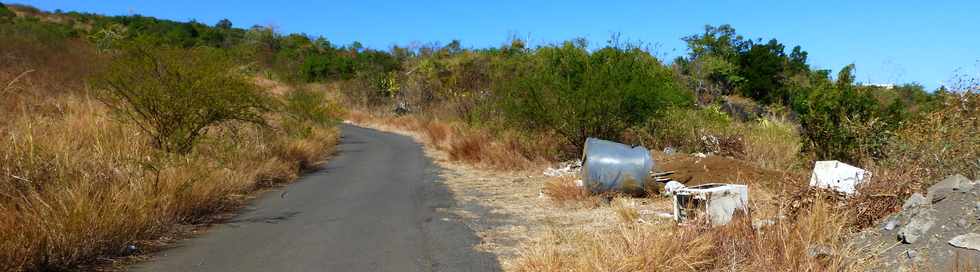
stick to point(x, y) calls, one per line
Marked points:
point(700, 169)
point(935, 231)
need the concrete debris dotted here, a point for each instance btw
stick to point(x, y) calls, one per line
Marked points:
point(838, 176)
point(935, 234)
point(950, 184)
point(968, 241)
point(915, 201)
point(673, 186)
point(891, 224)
point(718, 202)
point(918, 226)
point(564, 169)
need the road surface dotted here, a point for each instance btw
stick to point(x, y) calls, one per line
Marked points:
point(378, 205)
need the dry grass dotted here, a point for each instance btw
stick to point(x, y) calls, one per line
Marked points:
point(564, 192)
point(498, 150)
point(77, 185)
point(633, 246)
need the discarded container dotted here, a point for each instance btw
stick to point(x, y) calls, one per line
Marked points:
point(837, 176)
point(717, 201)
point(612, 166)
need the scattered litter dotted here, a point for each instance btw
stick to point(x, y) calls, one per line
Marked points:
point(579, 183)
point(699, 155)
point(669, 151)
point(837, 176)
point(717, 201)
point(968, 241)
point(891, 224)
point(564, 169)
point(612, 166)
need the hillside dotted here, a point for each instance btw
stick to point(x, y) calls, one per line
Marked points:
point(123, 132)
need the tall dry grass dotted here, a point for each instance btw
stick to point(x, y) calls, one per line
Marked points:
point(77, 185)
point(484, 147)
point(813, 241)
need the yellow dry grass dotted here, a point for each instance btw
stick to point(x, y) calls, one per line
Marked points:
point(76, 184)
point(498, 150)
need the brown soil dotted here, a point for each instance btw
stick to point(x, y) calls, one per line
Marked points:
point(692, 170)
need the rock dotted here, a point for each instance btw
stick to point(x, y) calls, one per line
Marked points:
point(962, 223)
point(968, 241)
point(941, 190)
point(915, 200)
point(917, 227)
point(819, 251)
point(891, 224)
point(966, 186)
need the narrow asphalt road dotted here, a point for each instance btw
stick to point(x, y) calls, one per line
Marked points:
point(374, 207)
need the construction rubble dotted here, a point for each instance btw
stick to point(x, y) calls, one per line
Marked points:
point(934, 231)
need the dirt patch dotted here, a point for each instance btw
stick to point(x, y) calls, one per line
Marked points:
point(694, 170)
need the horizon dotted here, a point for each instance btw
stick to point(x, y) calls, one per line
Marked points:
point(930, 50)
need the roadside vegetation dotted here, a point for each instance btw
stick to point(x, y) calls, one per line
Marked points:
point(113, 136)
point(110, 140)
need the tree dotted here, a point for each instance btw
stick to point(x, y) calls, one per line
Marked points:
point(224, 24)
point(5, 12)
point(762, 67)
point(175, 95)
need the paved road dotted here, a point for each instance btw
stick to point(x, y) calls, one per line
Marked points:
point(372, 208)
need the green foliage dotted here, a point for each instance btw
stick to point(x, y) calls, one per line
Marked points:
point(307, 109)
point(176, 95)
point(580, 94)
point(5, 13)
point(686, 128)
point(842, 121)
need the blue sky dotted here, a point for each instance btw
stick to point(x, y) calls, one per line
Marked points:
point(929, 42)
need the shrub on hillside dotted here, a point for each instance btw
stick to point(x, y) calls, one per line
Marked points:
point(306, 109)
point(176, 95)
point(579, 94)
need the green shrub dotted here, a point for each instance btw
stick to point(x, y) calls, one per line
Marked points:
point(176, 95)
point(306, 109)
point(689, 129)
point(578, 94)
point(5, 12)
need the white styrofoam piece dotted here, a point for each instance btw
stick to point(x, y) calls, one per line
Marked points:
point(838, 176)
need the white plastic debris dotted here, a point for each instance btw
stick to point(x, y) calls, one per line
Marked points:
point(968, 241)
point(717, 201)
point(672, 186)
point(564, 169)
point(700, 155)
point(579, 183)
point(838, 176)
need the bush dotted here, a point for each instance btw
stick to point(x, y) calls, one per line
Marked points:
point(578, 94)
point(176, 95)
point(306, 109)
point(690, 130)
point(5, 12)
